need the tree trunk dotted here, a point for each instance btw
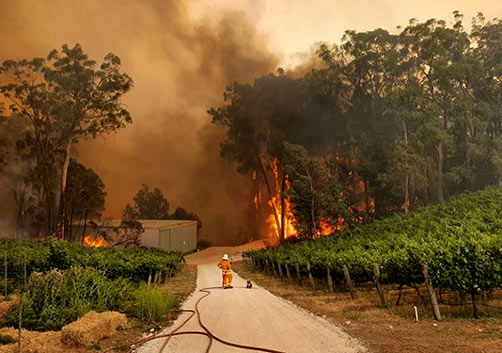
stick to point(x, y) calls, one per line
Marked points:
point(406, 204)
point(312, 205)
point(70, 223)
point(64, 174)
point(475, 305)
point(271, 199)
point(20, 197)
point(49, 216)
point(85, 226)
point(283, 210)
point(440, 194)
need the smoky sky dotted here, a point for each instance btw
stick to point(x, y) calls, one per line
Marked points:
point(180, 67)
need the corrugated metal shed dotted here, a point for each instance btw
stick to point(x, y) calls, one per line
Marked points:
point(150, 223)
point(173, 235)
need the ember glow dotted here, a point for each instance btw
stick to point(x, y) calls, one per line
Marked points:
point(327, 226)
point(95, 241)
point(289, 219)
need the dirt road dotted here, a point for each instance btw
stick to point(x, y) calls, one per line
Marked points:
point(251, 317)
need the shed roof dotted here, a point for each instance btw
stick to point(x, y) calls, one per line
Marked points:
point(148, 223)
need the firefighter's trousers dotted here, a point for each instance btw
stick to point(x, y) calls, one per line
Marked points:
point(227, 278)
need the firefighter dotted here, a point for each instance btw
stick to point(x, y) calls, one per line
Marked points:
point(226, 271)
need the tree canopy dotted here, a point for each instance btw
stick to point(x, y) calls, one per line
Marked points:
point(400, 120)
point(65, 97)
point(151, 204)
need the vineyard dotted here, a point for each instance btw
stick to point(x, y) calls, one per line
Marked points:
point(132, 264)
point(457, 244)
point(62, 281)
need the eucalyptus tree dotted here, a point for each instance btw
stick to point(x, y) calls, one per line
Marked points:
point(151, 204)
point(66, 97)
point(84, 198)
point(362, 70)
point(258, 118)
point(487, 53)
point(438, 56)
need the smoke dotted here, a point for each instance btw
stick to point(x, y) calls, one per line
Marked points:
point(180, 66)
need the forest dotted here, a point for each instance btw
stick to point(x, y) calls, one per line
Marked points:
point(384, 123)
point(48, 106)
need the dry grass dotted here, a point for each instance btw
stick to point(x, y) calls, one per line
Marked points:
point(6, 303)
point(181, 285)
point(394, 329)
point(92, 328)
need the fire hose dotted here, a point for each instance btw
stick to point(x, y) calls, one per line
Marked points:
point(206, 331)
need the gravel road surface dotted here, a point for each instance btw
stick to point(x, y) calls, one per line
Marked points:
point(252, 317)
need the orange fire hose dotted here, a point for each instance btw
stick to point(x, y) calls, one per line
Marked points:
point(206, 331)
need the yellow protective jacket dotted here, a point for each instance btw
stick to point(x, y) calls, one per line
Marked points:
point(226, 267)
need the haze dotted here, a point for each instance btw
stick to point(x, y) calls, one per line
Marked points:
point(181, 54)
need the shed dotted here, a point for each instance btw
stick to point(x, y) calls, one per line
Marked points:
point(172, 235)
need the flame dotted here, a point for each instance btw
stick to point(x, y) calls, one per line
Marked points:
point(289, 219)
point(364, 203)
point(95, 241)
point(275, 204)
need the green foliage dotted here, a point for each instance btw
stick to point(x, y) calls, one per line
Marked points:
point(56, 298)
point(181, 214)
point(84, 194)
point(130, 229)
point(64, 97)
point(460, 241)
point(133, 264)
point(314, 191)
point(151, 204)
point(409, 118)
point(149, 304)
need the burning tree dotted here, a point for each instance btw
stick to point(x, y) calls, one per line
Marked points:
point(259, 118)
point(316, 193)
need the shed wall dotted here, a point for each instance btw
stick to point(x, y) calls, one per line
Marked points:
point(150, 238)
point(184, 238)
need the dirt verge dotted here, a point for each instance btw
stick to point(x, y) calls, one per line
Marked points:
point(394, 329)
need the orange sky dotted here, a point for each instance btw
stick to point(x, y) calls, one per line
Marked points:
point(181, 55)
point(293, 26)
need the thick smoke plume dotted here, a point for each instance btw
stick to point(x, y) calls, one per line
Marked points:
point(180, 66)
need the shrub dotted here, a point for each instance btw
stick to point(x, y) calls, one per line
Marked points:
point(56, 298)
point(459, 240)
point(134, 264)
point(149, 304)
